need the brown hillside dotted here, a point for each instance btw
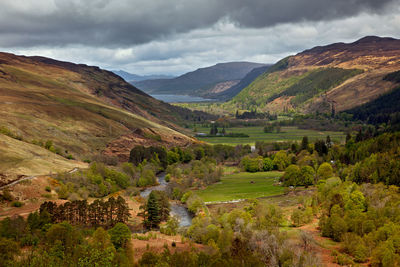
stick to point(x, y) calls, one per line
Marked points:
point(340, 75)
point(376, 56)
point(82, 109)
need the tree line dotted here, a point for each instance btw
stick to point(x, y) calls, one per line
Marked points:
point(79, 212)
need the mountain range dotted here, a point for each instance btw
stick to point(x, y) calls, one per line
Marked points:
point(130, 77)
point(201, 82)
point(243, 83)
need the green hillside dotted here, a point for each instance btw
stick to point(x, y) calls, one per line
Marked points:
point(316, 82)
point(303, 86)
point(264, 87)
point(314, 79)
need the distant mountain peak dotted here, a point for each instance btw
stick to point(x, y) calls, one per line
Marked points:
point(197, 82)
point(130, 77)
point(373, 39)
point(368, 43)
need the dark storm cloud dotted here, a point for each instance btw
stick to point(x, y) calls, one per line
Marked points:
point(102, 23)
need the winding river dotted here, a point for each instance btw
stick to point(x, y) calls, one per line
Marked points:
point(177, 210)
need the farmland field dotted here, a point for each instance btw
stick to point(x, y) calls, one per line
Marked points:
point(243, 185)
point(256, 133)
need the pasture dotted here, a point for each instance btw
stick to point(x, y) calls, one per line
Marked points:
point(243, 185)
point(256, 133)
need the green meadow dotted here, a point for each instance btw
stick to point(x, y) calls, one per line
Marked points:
point(243, 185)
point(256, 133)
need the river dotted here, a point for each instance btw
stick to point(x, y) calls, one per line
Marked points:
point(177, 210)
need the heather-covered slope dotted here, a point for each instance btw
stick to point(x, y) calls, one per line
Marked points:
point(82, 110)
point(339, 76)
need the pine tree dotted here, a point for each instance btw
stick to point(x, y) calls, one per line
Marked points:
point(153, 217)
point(359, 136)
point(214, 129)
point(348, 137)
point(304, 143)
point(122, 213)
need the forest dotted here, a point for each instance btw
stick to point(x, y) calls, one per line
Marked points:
point(354, 197)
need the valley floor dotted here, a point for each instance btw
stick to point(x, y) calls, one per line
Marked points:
point(32, 193)
point(256, 133)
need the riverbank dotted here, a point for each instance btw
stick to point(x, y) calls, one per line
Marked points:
point(177, 210)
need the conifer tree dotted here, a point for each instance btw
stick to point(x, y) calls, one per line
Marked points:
point(304, 143)
point(348, 137)
point(153, 217)
point(214, 129)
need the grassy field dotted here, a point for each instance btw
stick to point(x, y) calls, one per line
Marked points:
point(239, 186)
point(17, 157)
point(289, 133)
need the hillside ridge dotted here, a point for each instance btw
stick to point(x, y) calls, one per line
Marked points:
point(80, 111)
point(370, 58)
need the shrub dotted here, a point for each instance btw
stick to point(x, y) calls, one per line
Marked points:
point(338, 227)
point(48, 196)
point(186, 196)
point(73, 197)
point(47, 188)
point(171, 227)
point(6, 195)
point(300, 217)
point(17, 204)
point(63, 192)
point(344, 260)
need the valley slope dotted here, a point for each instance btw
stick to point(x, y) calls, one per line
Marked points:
point(77, 111)
point(338, 76)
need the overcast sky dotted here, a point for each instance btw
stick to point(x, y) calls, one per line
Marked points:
point(176, 36)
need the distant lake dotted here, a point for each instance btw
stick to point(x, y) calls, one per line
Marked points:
point(180, 98)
